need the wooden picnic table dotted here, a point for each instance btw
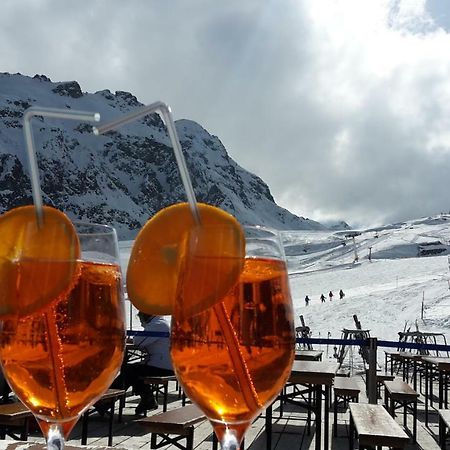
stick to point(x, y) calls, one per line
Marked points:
point(13, 415)
point(389, 358)
point(179, 422)
point(441, 365)
point(408, 359)
point(308, 355)
point(109, 397)
point(375, 427)
point(315, 376)
point(399, 391)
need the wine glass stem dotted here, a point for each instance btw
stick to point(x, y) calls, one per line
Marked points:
point(229, 441)
point(55, 437)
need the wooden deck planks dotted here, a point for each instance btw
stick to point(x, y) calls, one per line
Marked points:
point(289, 432)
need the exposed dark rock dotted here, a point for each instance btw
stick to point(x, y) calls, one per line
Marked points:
point(42, 78)
point(70, 89)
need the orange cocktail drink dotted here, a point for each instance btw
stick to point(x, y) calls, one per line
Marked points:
point(60, 357)
point(234, 355)
point(259, 310)
point(81, 334)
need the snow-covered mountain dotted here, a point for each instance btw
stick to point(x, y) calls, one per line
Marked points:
point(339, 225)
point(125, 176)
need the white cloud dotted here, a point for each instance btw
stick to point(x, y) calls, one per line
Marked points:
point(342, 107)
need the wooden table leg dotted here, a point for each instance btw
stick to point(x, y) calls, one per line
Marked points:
point(335, 410)
point(84, 427)
point(308, 423)
point(110, 424)
point(327, 417)
point(318, 411)
point(405, 414)
point(426, 393)
point(442, 433)
point(431, 386)
point(268, 426)
point(415, 421)
point(351, 432)
point(445, 385)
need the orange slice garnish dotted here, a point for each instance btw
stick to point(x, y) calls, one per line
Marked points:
point(157, 258)
point(37, 262)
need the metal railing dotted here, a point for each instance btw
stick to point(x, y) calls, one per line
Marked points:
point(371, 343)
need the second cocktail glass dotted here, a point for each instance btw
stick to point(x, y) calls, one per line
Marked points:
point(232, 354)
point(234, 357)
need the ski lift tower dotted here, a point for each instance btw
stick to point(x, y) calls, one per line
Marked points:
point(351, 235)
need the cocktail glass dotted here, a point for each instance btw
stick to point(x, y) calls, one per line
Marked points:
point(234, 357)
point(60, 358)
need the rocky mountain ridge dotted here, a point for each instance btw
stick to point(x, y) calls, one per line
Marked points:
point(124, 177)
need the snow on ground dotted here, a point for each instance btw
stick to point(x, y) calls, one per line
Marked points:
point(385, 293)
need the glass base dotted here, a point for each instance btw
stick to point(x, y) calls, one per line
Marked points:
point(55, 437)
point(230, 435)
point(56, 433)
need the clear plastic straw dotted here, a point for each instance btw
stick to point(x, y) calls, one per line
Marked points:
point(53, 113)
point(166, 114)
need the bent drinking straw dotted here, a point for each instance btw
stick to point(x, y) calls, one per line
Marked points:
point(53, 113)
point(173, 135)
point(240, 368)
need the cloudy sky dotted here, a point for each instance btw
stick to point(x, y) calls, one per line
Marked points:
point(341, 106)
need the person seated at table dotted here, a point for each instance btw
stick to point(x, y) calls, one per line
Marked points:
point(156, 362)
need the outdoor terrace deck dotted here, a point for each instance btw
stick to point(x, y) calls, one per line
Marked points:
point(288, 432)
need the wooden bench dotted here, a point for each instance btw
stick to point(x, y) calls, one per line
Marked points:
point(343, 373)
point(444, 427)
point(12, 416)
point(179, 422)
point(374, 426)
point(108, 402)
point(398, 392)
point(160, 385)
point(381, 378)
point(345, 390)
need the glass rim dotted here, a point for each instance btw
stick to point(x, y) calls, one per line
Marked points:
point(102, 229)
